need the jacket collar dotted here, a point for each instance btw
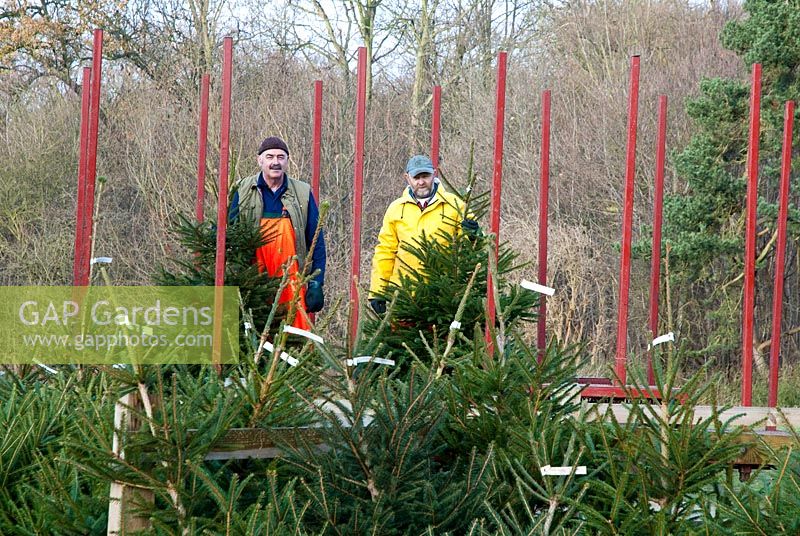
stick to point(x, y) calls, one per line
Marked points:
point(408, 195)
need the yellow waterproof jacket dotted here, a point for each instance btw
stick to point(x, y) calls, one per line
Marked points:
point(403, 222)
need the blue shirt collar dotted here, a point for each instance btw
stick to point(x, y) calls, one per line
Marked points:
point(262, 185)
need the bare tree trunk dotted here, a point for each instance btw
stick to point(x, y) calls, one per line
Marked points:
point(367, 11)
point(424, 41)
point(485, 38)
point(205, 29)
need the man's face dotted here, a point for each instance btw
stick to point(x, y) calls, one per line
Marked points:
point(421, 185)
point(273, 163)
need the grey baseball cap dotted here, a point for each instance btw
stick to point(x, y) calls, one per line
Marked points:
point(419, 164)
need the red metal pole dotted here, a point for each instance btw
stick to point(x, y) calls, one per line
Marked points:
point(222, 201)
point(780, 259)
point(627, 223)
point(750, 238)
point(316, 156)
point(224, 154)
point(202, 145)
point(544, 187)
point(436, 125)
point(80, 216)
point(658, 204)
point(91, 161)
point(500, 112)
point(355, 267)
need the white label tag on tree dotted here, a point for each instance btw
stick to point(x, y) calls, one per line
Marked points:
point(367, 359)
point(303, 333)
point(229, 381)
point(101, 260)
point(669, 337)
point(563, 471)
point(536, 287)
point(289, 359)
point(455, 325)
point(51, 370)
point(286, 357)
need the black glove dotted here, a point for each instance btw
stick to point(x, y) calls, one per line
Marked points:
point(315, 299)
point(470, 228)
point(378, 305)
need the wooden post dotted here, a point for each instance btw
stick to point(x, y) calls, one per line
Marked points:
point(91, 157)
point(80, 215)
point(436, 127)
point(621, 359)
point(544, 187)
point(124, 499)
point(358, 193)
point(497, 180)
point(780, 258)
point(202, 147)
point(316, 142)
point(748, 304)
point(658, 217)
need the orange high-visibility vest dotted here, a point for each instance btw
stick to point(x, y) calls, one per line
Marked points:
point(272, 258)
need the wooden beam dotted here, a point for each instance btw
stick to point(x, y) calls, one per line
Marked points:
point(618, 392)
point(758, 453)
point(758, 443)
point(742, 415)
point(259, 443)
point(242, 443)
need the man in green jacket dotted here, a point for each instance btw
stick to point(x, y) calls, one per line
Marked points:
point(286, 211)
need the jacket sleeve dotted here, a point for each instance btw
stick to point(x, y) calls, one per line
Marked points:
point(385, 256)
point(318, 257)
point(233, 209)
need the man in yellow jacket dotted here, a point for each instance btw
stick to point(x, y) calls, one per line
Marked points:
point(423, 207)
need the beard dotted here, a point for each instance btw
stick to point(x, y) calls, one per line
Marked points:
point(422, 192)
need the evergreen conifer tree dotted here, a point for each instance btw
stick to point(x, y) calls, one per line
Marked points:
point(704, 223)
point(196, 263)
